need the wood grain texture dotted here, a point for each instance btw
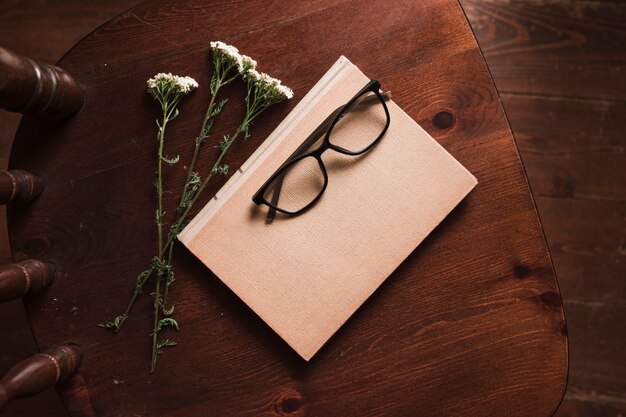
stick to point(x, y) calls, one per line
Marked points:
point(561, 67)
point(572, 149)
point(470, 324)
point(554, 47)
point(589, 256)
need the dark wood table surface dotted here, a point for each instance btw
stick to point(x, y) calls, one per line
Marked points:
point(470, 324)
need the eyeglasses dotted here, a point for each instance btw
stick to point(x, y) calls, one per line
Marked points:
point(301, 180)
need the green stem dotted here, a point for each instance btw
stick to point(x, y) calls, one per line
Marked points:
point(157, 292)
point(168, 111)
point(138, 288)
point(192, 165)
point(170, 243)
point(155, 323)
point(160, 181)
point(130, 304)
point(252, 112)
point(208, 178)
point(179, 219)
point(196, 150)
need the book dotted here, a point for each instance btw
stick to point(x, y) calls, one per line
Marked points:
point(306, 275)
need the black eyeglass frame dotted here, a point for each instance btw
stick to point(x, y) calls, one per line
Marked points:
point(372, 86)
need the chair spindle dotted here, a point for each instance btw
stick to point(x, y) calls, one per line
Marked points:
point(36, 88)
point(29, 276)
point(19, 186)
point(40, 372)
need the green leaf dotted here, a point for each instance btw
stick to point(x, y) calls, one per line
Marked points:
point(141, 280)
point(222, 169)
point(189, 192)
point(171, 161)
point(165, 343)
point(214, 83)
point(156, 354)
point(220, 106)
point(168, 311)
point(158, 302)
point(168, 321)
point(115, 324)
point(169, 277)
point(224, 143)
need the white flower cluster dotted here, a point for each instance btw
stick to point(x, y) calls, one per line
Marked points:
point(270, 86)
point(242, 62)
point(270, 90)
point(171, 84)
point(247, 64)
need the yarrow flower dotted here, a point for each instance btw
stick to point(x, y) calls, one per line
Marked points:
point(230, 56)
point(270, 88)
point(227, 52)
point(247, 64)
point(165, 87)
point(263, 92)
point(187, 84)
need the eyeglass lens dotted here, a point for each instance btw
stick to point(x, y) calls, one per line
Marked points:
point(361, 125)
point(302, 182)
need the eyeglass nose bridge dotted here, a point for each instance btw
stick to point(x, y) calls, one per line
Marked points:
point(324, 146)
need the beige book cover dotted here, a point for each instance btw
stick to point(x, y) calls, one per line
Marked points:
point(306, 275)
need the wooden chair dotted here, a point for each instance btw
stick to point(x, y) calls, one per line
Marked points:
point(48, 92)
point(470, 324)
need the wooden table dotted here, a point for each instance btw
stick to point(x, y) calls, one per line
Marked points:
point(470, 324)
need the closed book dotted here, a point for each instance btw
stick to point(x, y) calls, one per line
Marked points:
point(306, 275)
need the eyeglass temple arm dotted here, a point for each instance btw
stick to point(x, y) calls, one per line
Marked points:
point(308, 142)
